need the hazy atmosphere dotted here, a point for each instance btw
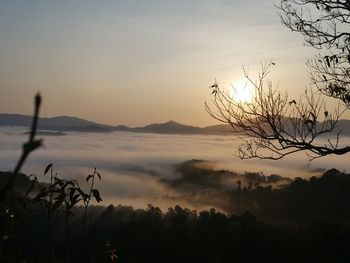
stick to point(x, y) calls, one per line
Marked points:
point(137, 63)
point(133, 165)
point(174, 131)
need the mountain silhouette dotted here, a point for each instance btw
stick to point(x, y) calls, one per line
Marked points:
point(66, 123)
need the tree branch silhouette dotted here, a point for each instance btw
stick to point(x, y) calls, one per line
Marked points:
point(325, 26)
point(272, 125)
point(28, 147)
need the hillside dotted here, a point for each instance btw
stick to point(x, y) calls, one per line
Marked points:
point(65, 123)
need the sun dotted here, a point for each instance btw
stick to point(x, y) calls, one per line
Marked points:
point(241, 92)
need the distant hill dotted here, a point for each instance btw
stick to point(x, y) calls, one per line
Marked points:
point(54, 123)
point(169, 127)
point(66, 123)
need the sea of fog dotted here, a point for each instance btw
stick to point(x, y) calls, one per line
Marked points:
point(133, 165)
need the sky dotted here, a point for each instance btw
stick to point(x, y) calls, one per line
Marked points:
point(139, 62)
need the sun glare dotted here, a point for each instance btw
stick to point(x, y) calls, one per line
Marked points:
point(241, 92)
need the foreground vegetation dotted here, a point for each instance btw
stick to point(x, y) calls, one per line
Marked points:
point(179, 235)
point(306, 221)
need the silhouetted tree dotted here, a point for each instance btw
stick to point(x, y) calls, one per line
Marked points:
point(325, 26)
point(275, 125)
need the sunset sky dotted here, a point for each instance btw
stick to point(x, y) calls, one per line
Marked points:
point(137, 62)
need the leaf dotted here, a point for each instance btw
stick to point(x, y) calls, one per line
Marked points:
point(88, 177)
point(73, 197)
point(76, 198)
point(48, 168)
point(59, 182)
point(98, 175)
point(83, 194)
point(71, 192)
point(327, 60)
point(74, 202)
point(96, 194)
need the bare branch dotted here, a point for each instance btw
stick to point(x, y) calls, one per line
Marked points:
point(325, 26)
point(27, 148)
point(272, 125)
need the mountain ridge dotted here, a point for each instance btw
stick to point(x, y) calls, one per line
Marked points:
point(68, 123)
point(76, 124)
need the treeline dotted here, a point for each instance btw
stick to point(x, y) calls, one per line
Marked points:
point(179, 235)
point(300, 202)
point(271, 198)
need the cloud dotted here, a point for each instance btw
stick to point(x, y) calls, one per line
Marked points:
point(138, 169)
